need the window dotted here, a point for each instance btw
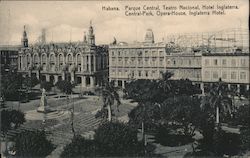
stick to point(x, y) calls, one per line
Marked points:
point(126, 60)
point(215, 62)
point(174, 62)
point(233, 62)
point(215, 75)
point(233, 75)
point(206, 62)
point(207, 74)
point(243, 75)
point(139, 73)
point(132, 74)
point(146, 73)
point(224, 62)
point(168, 61)
point(243, 62)
point(224, 75)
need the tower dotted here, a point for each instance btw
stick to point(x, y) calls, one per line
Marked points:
point(85, 38)
point(24, 42)
point(149, 37)
point(91, 35)
point(43, 36)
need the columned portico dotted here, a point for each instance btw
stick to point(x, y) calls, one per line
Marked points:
point(92, 81)
point(72, 77)
point(63, 76)
point(94, 63)
point(248, 87)
point(89, 63)
point(202, 89)
point(47, 78)
point(56, 79)
point(37, 75)
point(83, 81)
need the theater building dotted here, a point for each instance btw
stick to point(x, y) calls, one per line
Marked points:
point(83, 63)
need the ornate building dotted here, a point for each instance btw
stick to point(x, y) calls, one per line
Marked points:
point(83, 63)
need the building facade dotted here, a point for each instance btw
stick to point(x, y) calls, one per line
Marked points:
point(231, 68)
point(83, 63)
point(146, 60)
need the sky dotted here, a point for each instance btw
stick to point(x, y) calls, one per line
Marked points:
point(65, 21)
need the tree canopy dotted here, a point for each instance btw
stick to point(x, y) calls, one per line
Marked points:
point(111, 139)
point(157, 91)
point(32, 144)
point(11, 119)
point(65, 86)
point(46, 85)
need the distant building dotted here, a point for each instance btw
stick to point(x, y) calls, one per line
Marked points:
point(82, 63)
point(9, 55)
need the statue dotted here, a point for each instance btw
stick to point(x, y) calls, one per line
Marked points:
point(43, 103)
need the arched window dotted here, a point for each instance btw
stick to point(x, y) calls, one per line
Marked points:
point(60, 58)
point(70, 58)
point(52, 58)
point(44, 59)
point(78, 59)
point(36, 59)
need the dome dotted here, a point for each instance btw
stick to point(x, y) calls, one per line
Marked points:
point(149, 37)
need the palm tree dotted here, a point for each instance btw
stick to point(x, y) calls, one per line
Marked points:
point(165, 81)
point(219, 100)
point(110, 96)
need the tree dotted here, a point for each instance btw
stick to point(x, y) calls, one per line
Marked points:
point(182, 113)
point(46, 85)
point(10, 84)
point(30, 82)
point(11, 119)
point(80, 147)
point(148, 113)
point(115, 139)
point(243, 116)
point(219, 100)
point(32, 144)
point(65, 86)
point(157, 91)
point(109, 96)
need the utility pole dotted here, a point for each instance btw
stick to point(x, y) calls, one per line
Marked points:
point(72, 115)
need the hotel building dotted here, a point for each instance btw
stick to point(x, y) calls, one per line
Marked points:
point(203, 65)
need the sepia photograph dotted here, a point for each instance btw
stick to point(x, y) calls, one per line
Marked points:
point(124, 78)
